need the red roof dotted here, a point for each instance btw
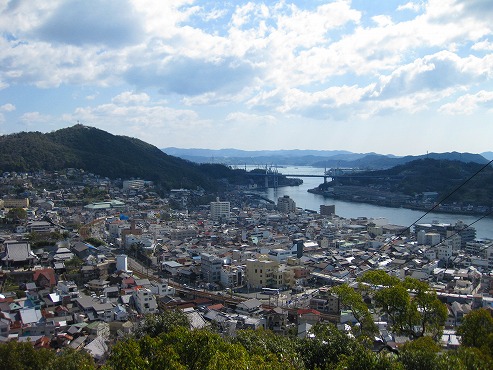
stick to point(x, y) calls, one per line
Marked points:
point(216, 307)
point(304, 311)
point(48, 273)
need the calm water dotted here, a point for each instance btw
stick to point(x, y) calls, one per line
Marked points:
point(397, 216)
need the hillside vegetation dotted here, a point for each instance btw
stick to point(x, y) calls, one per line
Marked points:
point(429, 175)
point(98, 152)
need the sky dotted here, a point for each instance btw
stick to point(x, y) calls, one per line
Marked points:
point(391, 77)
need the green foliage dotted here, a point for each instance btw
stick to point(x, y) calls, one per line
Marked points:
point(69, 359)
point(327, 348)
point(272, 348)
point(364, 359)
point(353, 300)
point(182, 348)
point(17, 214)
point(164, 322)
point(100, 153)
point(94, 241)
point(421, 353)
point(72, 265)
point(413, 308)
point(23, 356)
point(476, 329)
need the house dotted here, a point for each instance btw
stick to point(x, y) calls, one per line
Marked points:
point(17, 254)
point(196, 320)
point(276, 319)
point(162, 288)
point(249, 307)
point(95, 309)
point(308, 315)
point(171, 267)
point(44, 278)
point(4, 327)
point(97, 348)
point(99, 329)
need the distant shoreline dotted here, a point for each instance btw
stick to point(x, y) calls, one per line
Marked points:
point(397, 204)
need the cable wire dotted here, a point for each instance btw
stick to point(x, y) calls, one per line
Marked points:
point(442, 200)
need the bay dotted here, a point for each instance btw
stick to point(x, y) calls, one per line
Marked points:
point(396, 216)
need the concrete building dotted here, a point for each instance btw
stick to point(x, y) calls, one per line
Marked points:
point(220, 210)
point(327, 210)
point(144, 301)
point(16, 202)
point(211, 267)
point(260, 272)
point(231, 276)
point(285, 204)
point(133, 184)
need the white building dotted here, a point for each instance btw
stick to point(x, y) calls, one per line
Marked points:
point(133, 184)
point(162, 288)
point(220, 210)
point(144, 301)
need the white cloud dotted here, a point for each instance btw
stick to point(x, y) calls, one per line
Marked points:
point(469, 103)
point(36, 121)
point(7, 107)
point(415, 7)
point(248, 118)
point(484, 45)
point(263, 61)
point(130, 98)
point(82, 22)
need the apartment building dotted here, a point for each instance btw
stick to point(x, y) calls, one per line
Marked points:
point(220, 210)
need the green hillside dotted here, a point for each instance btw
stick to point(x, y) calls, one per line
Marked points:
point(429, 175)
point(98, 152)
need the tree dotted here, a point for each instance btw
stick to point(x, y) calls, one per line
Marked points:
point(412, 307)
point(476, 328)
point(164, 322)
point(23, 356)
point(17, 214)
point(364, 359)
point(421, 353)
point(353, 300)
point(70, 359)
point(272, 348)
point(326, 349)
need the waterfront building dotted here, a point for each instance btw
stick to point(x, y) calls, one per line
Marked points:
point(285, 204)
point(327, 210)
point(467, 233)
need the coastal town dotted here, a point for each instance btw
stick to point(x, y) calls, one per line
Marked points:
point(83, 274)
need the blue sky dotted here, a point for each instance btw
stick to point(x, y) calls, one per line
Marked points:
point(392, 77)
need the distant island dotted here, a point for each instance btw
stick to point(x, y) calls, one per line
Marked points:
point(420, 184)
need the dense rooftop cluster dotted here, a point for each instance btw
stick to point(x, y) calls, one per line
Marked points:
point(85, 260)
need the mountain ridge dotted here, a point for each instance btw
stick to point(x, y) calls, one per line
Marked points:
point(314, 158)
point(99, 152)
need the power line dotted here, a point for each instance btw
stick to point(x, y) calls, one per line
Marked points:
point(442, 200)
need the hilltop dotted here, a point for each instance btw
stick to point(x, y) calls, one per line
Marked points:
point(99, 152)
point(111, 156)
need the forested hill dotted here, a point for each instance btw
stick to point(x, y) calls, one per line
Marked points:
point(430, 175)
point(98, 152)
